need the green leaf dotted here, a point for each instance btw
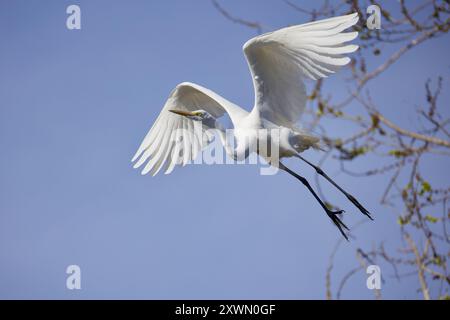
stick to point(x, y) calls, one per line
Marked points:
point(338, 143)
point(402, 221)
point(321, 108)
point(375, 120)
point(426, 186)
point(399, 153)
point(437, 260)
point(431, 218)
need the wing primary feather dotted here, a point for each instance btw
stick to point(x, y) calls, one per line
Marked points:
point(280, 61)
point(161, 148)
point(175, 155)
point(169, 145)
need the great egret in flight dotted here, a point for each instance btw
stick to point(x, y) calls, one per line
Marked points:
point(279, 62)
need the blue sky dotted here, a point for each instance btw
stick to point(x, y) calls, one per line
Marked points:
point(74, 106)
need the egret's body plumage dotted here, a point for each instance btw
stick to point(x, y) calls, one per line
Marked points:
point(279, 63)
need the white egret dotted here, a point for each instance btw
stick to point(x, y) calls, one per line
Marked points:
point(279, 62)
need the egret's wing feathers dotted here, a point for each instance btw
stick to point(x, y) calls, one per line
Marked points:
point(279, 62)
point(174, 139)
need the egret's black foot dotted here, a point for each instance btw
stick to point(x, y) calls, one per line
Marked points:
point(333, 215)
point(359, 206)
point(349, 196)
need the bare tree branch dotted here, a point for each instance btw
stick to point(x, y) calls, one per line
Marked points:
point(226, 14)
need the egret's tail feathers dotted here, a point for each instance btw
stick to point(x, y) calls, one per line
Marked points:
point(304, 141)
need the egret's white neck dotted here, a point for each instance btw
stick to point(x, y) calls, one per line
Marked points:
point(234, 153)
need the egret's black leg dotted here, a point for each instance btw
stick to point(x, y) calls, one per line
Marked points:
point(331, 214)
point(348, 195)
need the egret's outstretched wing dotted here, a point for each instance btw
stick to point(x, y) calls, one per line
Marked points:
point(172, 139)
point(280, 60)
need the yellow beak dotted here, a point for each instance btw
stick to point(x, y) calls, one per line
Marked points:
point(183, 113)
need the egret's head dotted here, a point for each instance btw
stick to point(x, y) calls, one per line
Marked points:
point(197, 115)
